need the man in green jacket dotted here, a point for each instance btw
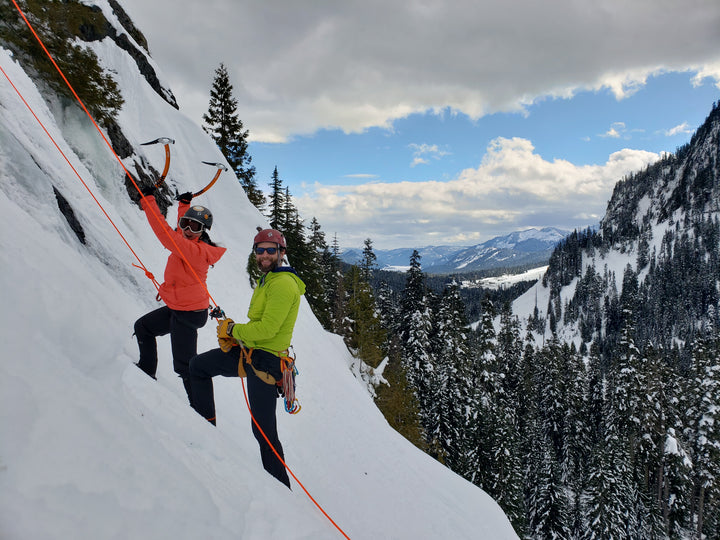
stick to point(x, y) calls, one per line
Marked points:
point(253, 349)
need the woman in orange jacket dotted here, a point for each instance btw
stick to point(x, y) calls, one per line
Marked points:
point(183, 289)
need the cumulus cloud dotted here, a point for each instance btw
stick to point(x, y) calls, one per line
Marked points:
point(298, 67)
point(512, 188)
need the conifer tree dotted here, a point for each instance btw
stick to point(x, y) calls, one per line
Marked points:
point(451, 375)
point(416, 331)
point(222, 123)
point(397, 400)
point(506, 470)
point(319, 264)
point(610, 495)
point(366, 334)
point(336, 281)
point(548, 514)
point(369, 260)
point(276, 201)
point(389, 309)
point(704, 432)
point(676, 499)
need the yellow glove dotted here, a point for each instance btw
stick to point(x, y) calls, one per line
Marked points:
point(224, 334)
point(224, 328)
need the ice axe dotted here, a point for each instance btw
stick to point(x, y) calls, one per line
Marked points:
point(220, 169)
point(167, 142)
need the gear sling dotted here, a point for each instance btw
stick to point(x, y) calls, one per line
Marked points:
point(285, 386)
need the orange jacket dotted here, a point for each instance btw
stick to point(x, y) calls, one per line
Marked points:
point(181, 289)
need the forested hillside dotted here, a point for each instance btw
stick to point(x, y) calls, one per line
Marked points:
point(590, 407)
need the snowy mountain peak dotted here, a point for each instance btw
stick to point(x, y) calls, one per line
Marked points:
point(520, 248)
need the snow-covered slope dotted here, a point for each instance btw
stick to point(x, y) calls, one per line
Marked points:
point(660, 235)
point(90, 447)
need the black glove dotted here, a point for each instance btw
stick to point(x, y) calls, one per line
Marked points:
point(185, 197)
point(146, 191)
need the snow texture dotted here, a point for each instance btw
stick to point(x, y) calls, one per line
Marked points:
point(92, 448)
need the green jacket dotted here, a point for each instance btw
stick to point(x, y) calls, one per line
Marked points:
point(273, 311)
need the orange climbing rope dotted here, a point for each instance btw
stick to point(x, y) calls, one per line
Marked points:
point(153, 213)
point(277, 455)
point(142, 266)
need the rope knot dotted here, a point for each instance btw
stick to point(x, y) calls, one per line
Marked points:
point(149, 275)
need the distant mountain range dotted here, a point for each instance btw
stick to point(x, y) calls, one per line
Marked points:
point(521, 248)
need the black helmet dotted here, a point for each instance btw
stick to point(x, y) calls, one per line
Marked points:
point(201, 214)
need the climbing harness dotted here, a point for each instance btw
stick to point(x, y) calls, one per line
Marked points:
point(216, 311)
point(166, 141)
point(286, 384)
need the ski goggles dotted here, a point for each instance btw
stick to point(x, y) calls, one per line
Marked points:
point(261, 250)
point(190, 224)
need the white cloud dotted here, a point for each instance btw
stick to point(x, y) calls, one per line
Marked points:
point(512, 188)
point(420, 151)
point(708, 71)
point(361, 176)
point(682, 128)
point(298, 67)
point(615, 131)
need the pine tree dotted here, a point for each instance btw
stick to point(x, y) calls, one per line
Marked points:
point(321, 261)
point(676, 481)
point(336, 285)
point(610, 496)
point(222, 123)
point(548, 515)
point(276, 201)
point(416, 331)
point(369, 260)
point(397, 400)
point(507, 464)
point(453, 357)
point(704, 432)
point(366, 334)
point(483, 395)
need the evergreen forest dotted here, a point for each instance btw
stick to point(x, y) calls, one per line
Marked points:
point(596, 415)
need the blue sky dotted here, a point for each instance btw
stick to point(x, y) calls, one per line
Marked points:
point(434, 123)
point(585, 130)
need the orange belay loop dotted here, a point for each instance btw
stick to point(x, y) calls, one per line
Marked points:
point(155, 215)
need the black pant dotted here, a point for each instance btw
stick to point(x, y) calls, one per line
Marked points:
point(182, 327)
point(261, 395)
